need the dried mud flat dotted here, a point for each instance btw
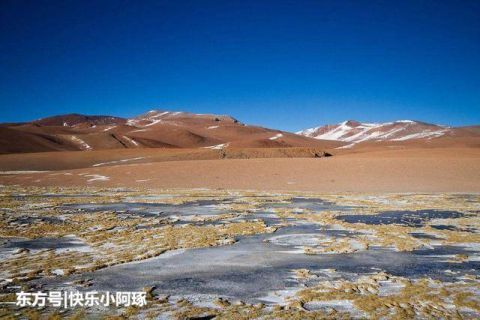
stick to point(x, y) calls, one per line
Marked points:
point(204, 254)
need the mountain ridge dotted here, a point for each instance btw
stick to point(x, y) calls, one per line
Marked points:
point(153, 129)
point(355, 132)
point(178, 129)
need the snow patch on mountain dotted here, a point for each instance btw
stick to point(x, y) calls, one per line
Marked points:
point(217, 146)
point(135, 143)
point(275, 137)
point(83, 144)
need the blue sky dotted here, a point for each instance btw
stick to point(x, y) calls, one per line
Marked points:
point(282, 64)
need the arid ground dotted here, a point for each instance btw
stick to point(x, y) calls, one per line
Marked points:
point(245, 233)
point(403, 170)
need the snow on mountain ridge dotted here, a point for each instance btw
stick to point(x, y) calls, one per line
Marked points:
point(154, 117)
point(356, 132)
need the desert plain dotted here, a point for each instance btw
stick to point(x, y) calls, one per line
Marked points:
point(402, 170)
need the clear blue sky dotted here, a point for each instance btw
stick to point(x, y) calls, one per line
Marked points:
point(283, 64)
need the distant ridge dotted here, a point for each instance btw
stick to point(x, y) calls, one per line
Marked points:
point(355, 132)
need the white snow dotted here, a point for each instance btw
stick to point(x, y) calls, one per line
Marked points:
point(58, 272)
point(83, 144)
point(425, 134)
point(366, 134)
point(116, 161)
point(160, 114)
point(61, 174)
point(348, 146)
point(275, 137)
point(154, 114)
point(108, 128)
point(132, 122)
point(391, 131)
point(212, 127)
point(21, 172)
point(342, 305)
point(97, 177)
point(153, 123)
point(280, 296)
point(131, 141)
point(217, 146)
point(337, 133)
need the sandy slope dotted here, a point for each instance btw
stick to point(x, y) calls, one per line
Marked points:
point(413, 170)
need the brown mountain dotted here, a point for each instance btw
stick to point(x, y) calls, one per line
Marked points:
point(154, 129)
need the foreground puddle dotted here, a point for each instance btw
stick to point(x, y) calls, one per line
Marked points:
point(224, 254)
point(257, 265)
point(408, 218)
